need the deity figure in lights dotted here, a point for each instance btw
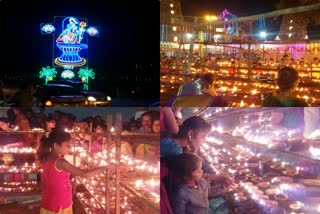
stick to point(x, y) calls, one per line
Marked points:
point(48, 73)
point(85, 74)
point(69, 42)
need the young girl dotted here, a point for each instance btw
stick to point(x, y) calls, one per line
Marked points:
point(192, 193)
point(57, 191)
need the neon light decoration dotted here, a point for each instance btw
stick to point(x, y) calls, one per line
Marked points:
point(67, 74)
point(48, 28)
point(92, 31)
point(70, 46)
point(69, 42)
point(48, 73)
point(232, 28)
point(85, 74)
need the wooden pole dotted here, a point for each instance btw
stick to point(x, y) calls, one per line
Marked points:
point(190, 56)
point(118, 154)
point(90, 140)
point(107, 148)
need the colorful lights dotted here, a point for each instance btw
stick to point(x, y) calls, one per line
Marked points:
point(70, 41)
point(16, 150)
point(72, 31)
point(67, 74)
point(92, 31)
point(47, 28)
point(139, 179)
point(85, 74)
point(48, 73)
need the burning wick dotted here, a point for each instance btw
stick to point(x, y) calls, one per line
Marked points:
point(296, 206)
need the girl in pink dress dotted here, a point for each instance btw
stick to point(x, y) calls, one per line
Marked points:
point(56, 185)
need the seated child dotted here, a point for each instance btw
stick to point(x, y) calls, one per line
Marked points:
point(193, 191)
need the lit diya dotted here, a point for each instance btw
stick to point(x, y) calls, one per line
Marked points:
point(241, 178)
point(281, 197)
point(256, 179)
point(276, 166)
point(312, 182)
point(271, 192)
point(263, 184)
point(282, 179)
point(240, 198)
point(275, 210)
point(289, 172)
point(296, 205)
point(251, 175)
point(254, 188)
point(253, 165)
point(271, 203)
point(242, 171)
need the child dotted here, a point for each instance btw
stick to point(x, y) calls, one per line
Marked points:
point(57, 191)
point(192, 194)
point(156, 124)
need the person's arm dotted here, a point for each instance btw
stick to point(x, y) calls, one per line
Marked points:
point(224, 180)
point(276, 118)
point(62, 164)
point(180, 201)
point(311, 120)
point(16, 144)
point(169, 120)
point(210, 91)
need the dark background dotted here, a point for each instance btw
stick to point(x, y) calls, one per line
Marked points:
point(124, 56)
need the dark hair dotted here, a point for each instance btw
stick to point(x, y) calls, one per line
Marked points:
point(102, 125)
point(146, 113)
point(155, 114)
point(194, 123)
point(208, 77)
point(4, 119)
point(46, 143)
point(50, 118)
point(185, 163)
point(286, 78)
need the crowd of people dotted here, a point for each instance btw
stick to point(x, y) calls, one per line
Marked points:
point(287, 82)
point(205, 72)
point(209, 63)
point(88, 132)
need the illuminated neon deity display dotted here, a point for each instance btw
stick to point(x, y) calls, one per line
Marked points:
point(71, 40)
point(70, 46)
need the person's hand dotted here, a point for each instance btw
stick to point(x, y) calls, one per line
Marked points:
point(225, 181)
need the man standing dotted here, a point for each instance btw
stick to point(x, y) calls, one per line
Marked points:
point(198, 86)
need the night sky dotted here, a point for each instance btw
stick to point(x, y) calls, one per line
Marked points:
point(126, 36)
point(237, 7)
